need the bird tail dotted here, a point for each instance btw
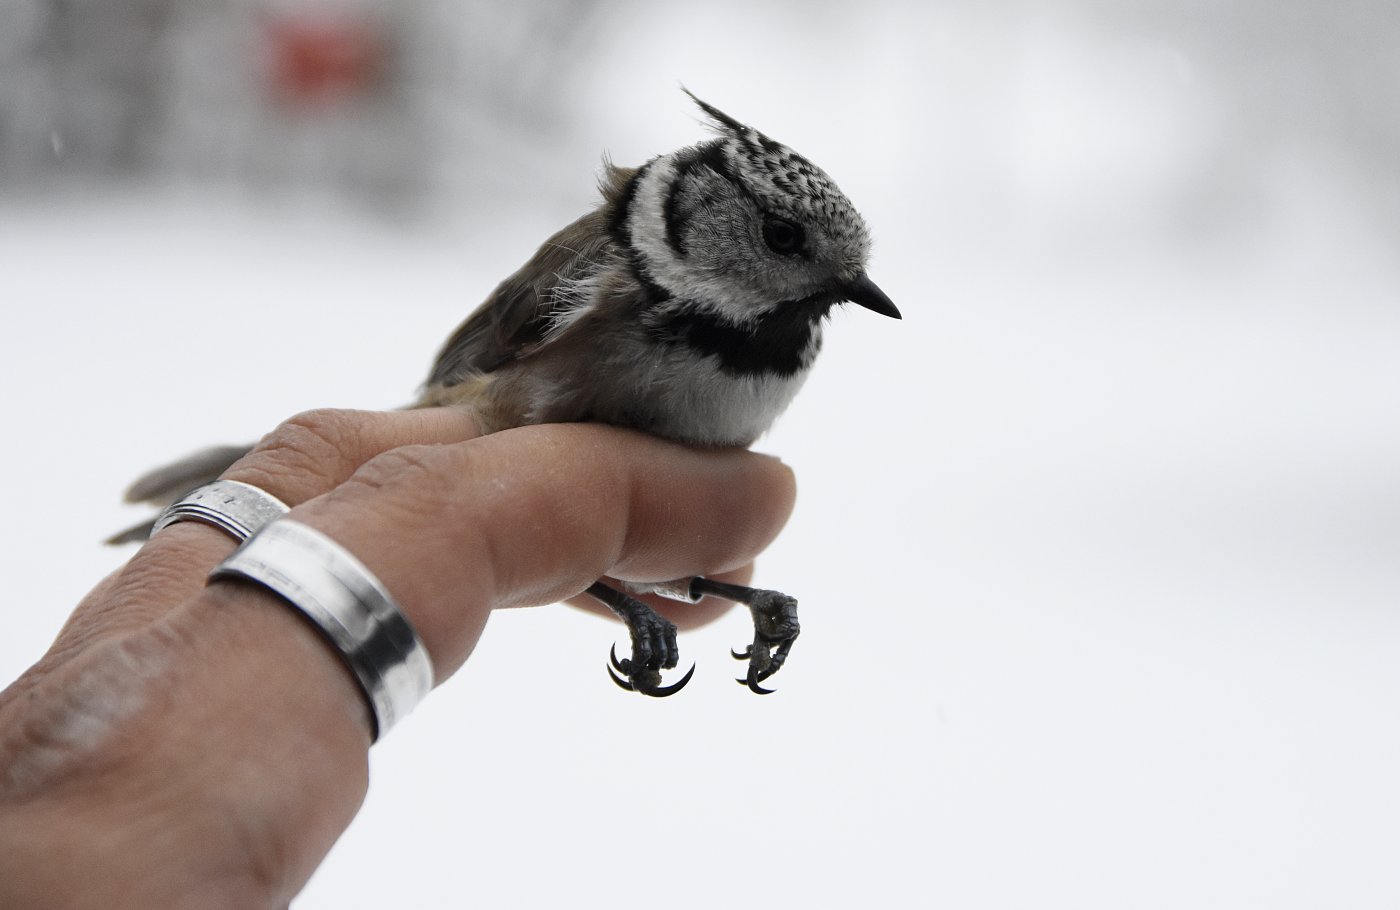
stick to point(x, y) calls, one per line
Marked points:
point(163, 485)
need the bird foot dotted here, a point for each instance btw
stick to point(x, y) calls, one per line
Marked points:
point(653, 645)
point(775, 628)
point(642, 679)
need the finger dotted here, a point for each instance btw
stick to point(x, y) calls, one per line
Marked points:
point(303, 457)
point(317, 451)
point(536, 514)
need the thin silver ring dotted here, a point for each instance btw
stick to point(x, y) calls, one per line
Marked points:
point(680, 589)
point(238, 509)
point(348, 604)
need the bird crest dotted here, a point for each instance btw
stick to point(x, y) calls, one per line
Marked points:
point(786, 183)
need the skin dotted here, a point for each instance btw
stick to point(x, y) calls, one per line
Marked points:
point(139, 765)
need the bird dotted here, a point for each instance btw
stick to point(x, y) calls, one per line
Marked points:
point(689, 304)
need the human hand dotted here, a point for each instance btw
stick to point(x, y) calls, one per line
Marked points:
point(193, 745)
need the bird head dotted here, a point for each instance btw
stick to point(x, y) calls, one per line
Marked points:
point(741, 226)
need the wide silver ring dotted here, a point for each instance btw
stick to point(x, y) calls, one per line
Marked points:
point(238, 509)
point(348, 604)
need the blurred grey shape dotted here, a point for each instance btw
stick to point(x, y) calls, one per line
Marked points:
point(379, 100)
point(1294, 77)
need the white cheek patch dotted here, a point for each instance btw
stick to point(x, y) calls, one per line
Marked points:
point(709, 291)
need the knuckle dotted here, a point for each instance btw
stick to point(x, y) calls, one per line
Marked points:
point(412, 473)
point(308, 452)
point(316, 432)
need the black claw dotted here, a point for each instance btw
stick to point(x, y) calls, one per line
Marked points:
point(754, 687)
point(663, 691)
point(737, 656)
point(625, 680)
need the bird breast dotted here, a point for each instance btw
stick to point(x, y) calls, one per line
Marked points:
point(707, 405)
point(667, 390)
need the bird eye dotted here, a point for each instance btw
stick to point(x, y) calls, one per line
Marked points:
point(783, 237)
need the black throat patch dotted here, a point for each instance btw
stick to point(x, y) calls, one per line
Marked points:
point(778, 344)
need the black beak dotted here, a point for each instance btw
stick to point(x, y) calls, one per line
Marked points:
point(861, 290)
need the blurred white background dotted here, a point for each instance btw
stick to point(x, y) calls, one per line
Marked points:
point(1098, 549)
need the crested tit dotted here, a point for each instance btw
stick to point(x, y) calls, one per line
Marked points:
point(688, 304)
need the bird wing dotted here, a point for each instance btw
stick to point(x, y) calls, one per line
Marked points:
point(518, 316)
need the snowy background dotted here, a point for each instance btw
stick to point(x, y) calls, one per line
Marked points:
point(1098, 549)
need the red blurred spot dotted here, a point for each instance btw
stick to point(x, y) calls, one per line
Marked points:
point(318, 60)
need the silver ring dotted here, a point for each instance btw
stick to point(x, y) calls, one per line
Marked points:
point(348, 604)
point(674, 590)
point(238, 509)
